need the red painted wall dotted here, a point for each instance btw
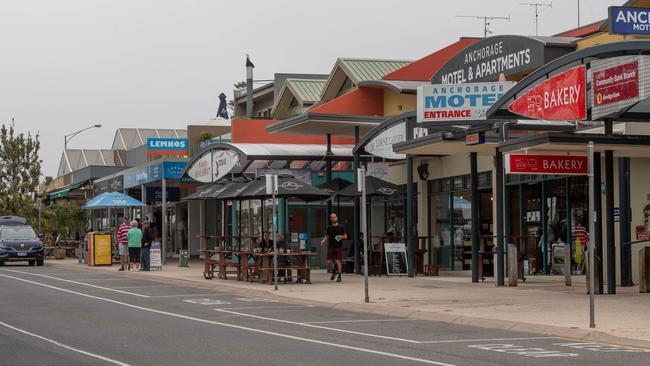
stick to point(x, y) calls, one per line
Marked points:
point(359, 102)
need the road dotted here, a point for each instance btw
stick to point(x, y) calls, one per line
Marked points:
point(56, 315)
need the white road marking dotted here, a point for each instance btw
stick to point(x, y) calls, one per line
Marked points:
point(317, 326)
point(487, 340)
point(137, 287)
point(79, 283)
point(601, 347)
point(266, 307)
point(255, 299)
point(522, 350)
point(361, 321)
point(186, 295)
point(65, 346)
point(207, 302)
point(233, 326)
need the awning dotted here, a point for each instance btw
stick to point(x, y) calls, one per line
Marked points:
point(441, 145)
point(576, 144)
point(398, 86)
point(322, 124)
point(65, 191)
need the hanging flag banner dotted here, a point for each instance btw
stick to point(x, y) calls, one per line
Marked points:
point(560, 98)
point(546, 164)
point(459, 102)
point(617, 83)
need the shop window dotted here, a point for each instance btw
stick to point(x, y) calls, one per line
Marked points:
point(445, 185)
point(485, 180)
point(457, 183)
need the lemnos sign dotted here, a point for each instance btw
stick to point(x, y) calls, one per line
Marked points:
point(166, 146)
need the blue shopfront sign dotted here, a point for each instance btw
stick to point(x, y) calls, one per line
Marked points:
point(627, 20)
point(152, 173)
point(154, 195)
point(167, 146)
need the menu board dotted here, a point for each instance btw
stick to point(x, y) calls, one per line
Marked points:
point(396, 263)
point(155, 258)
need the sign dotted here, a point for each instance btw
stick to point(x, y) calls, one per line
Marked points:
point(627, 20)
point(155, 257)
point(223, 162)
point(382, 144)
point(475, 138)
point(546, 164)
point(154, 195)
point(152, 173)
point(617, 83)
point(377, 170)
point(102, 246)
point(486, 59)
point(560, 98)
point(111, 185)
point(167, 146)
point(300, 174)
point(458, 102)
point(201, 169)
point(617, 214)
point(396, 264)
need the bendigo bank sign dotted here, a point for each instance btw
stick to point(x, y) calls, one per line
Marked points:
point(458, 102)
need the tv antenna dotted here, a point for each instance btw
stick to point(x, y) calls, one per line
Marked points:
point(486, 24)
point(537, 7)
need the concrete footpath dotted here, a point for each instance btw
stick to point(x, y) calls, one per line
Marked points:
point(542, 305)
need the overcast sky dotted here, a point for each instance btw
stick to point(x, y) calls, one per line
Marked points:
point(69, 64)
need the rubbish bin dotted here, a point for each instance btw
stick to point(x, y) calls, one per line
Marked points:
point(183, 258)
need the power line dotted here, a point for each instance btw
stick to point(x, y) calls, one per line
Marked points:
point(486, 24)
point(537, 7)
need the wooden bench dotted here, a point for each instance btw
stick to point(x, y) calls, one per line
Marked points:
point(302, 273)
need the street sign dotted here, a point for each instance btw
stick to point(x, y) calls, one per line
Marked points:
point(560, 98)
point(475, 138)
point(628, 20)
point(546, 164)
point(458, 102)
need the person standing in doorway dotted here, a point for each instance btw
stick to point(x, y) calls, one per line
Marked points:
point(123, 243)
point(147, 238)
point(134, 238)
point(334, 236)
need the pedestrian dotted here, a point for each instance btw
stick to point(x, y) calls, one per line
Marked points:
point(334, 236)
point(123, 242)
point(265, 244)
point(134, 238)
point(147, 238)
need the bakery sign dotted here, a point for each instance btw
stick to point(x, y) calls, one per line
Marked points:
point(560, 98)
point(546, 164)
point(486, 59)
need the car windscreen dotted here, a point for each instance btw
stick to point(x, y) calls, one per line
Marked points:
point(17, 232)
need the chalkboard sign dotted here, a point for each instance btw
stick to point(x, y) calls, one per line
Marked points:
point(396, 264)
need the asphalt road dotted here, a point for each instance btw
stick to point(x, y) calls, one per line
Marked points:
point(60, 316)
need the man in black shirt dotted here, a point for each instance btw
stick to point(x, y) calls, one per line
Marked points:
point(334, 237)
point(147, 238)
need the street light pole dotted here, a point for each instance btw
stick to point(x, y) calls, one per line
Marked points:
point(69, 137)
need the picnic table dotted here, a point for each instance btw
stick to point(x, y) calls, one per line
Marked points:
point(301, 265)
point(224, 263)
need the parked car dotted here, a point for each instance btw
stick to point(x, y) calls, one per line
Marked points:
point(19, 242)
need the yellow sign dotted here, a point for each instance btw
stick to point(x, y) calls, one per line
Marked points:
point(102, 249)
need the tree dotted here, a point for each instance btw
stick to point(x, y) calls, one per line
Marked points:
point(20, 171)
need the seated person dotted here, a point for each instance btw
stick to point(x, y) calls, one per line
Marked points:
point(265, 244)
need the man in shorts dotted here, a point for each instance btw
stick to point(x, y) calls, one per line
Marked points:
point(123, 242)
point(334, 236)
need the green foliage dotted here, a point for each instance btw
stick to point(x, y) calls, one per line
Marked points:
point(241, 85)
point(63, 217)
point(20, 171)
point(205, 136)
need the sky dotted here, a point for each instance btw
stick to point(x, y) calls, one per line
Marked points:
point(69, 64)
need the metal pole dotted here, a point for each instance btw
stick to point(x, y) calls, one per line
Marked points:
point(592, 226)
point(598, 233)
point(273, 231)
point(355, 240)
point(410, 218)
point(361, 179)
point(164, 222)
point(39, 217)
point(609, 213)
point(475, 219)
point(624, 222)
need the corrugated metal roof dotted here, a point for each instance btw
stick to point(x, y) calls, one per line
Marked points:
point(369, 69)
point(306, 90)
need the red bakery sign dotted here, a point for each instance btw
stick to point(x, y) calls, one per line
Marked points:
point(559, 98)
point(616, 83)
point(546, 164)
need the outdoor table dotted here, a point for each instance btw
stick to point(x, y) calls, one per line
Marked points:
point(209, 263)
point(302, 266)
point(225, 261)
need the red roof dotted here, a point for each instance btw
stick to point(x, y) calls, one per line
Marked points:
point(424, 68)
point(583, 31)
point(358, 102)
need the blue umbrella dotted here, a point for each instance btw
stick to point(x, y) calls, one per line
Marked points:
point(112, 200)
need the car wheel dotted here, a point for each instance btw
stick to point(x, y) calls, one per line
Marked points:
point(39, 262)
point(32, 263)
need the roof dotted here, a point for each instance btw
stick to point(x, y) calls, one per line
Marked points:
point(398, 86)
point(268, 151)
point(305, 91)
point(322, 123)
point(131, 138)
point(585, 30)
point(424, 68)
point(73, 160)
point(356, 70)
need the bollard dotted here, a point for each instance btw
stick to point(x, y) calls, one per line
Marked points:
point(644, 269)
point(567, 264)
point(513, 265)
